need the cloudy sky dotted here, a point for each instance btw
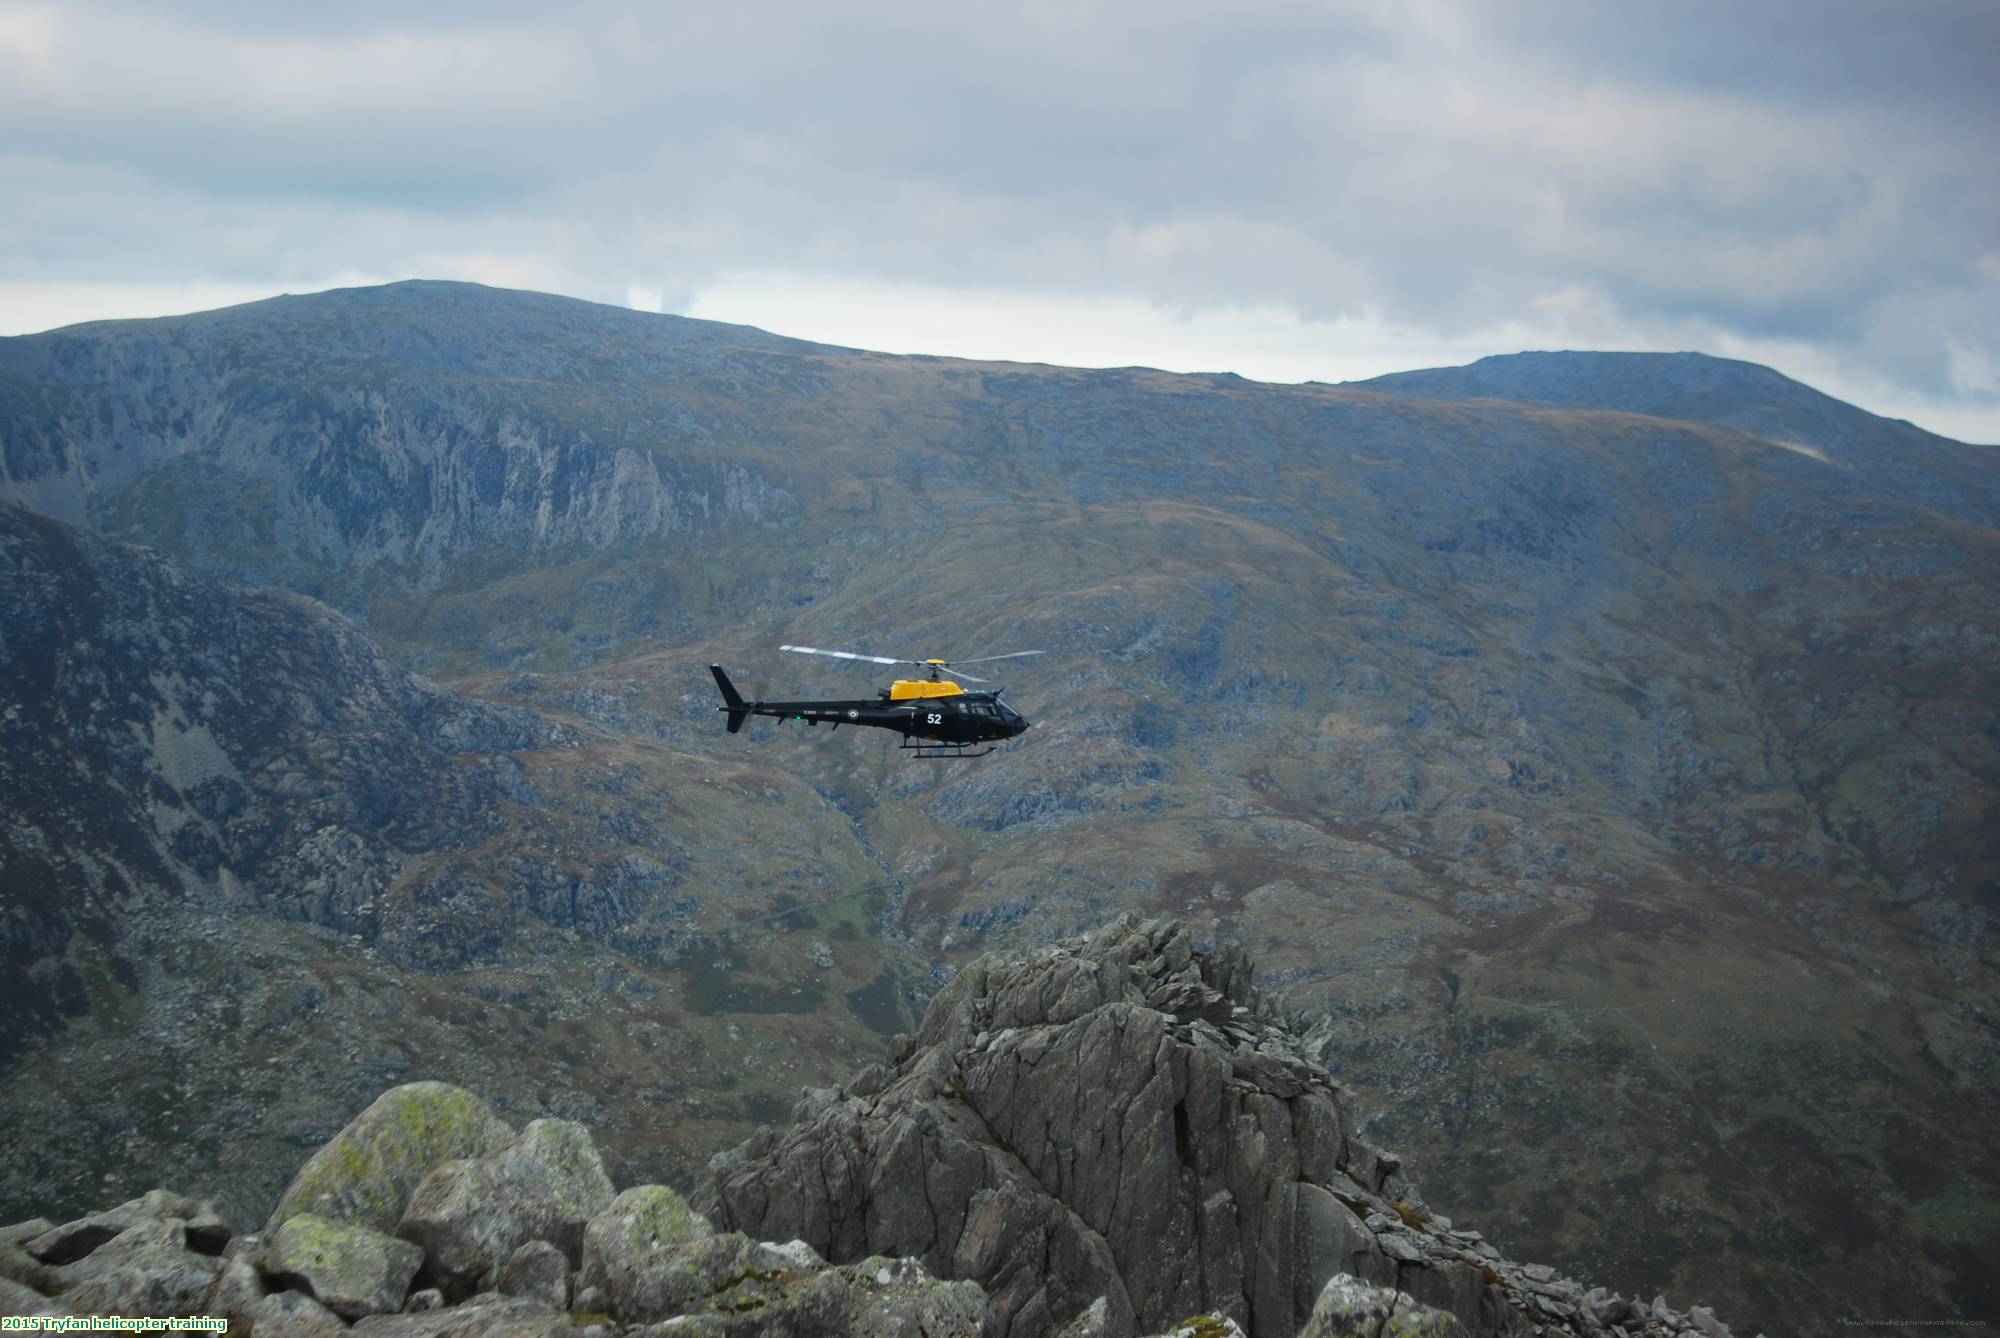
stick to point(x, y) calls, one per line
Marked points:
point(1289, 191)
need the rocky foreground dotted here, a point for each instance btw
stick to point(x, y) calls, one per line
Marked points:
point(1105, 1138)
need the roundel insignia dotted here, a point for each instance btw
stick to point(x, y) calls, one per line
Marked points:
point(853, 714)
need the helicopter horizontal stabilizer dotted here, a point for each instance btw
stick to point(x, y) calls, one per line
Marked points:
point(739, 710)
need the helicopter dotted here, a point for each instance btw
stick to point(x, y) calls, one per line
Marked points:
point(936, 717)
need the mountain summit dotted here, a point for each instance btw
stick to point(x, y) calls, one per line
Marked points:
point(1684, 386)
point(1750, 398)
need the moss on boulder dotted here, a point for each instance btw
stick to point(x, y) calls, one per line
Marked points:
point(349, 1269)
point(366, 1174)
point(1350, 1308)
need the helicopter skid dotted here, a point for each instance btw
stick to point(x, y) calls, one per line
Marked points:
point(940, 750)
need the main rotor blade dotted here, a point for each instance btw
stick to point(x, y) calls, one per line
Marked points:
point(847, 655)
point(970, 678)
point(1010, 655)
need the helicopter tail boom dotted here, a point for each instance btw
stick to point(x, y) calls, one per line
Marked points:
point(739, 710)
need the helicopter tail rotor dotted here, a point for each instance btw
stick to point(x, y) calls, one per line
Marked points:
point(739, 710)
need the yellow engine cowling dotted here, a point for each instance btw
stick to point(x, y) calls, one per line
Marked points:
point(909, 689)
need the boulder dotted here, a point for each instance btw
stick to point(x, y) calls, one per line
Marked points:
point(561, 1180)
point(470, 1215)
point(538, 1272)
point(1093, 1321)
point(367, 1173)
point(1211, 1325)
point(793, 1254)
point(480, 1317)
point(145, 1269)
point(462, 1219)
point(293, 1315)
point(726, 1293)
point(16, 1264)
point(349, 1269)
point(200, 1224)
point(628, 1241)
point(20, 1233)
point(237, 1289)
point(674, 1279)
point(1350, 1308)
point(896, 1298)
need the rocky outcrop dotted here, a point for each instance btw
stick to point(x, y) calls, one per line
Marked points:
point(1114, 1123)
point(1097, 1141)
point(493, 1233)
point(1103, 1139)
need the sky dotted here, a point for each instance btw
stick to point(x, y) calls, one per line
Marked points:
point(1289, 191)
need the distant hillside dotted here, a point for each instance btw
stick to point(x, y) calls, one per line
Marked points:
point(1603, 750)
point(1891, 454)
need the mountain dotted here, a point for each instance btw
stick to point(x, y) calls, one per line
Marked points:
point(254, 869)
point(1602, 749)
point(1884, 455)
point(1689, 387)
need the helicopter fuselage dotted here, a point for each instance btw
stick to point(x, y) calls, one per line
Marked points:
point(926, 713)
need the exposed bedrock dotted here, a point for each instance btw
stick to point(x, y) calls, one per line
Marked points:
point(1116, 1117)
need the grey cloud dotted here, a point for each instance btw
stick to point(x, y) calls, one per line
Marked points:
point(1814, 170)
point(1933, 54)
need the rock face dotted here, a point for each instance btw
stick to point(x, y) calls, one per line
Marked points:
point(1351, 1308)
point(396, 482)
point(1113, 1119)
point(253, 750)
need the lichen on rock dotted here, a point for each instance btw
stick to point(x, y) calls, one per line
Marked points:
point(367, 1173)
point(350, 1269)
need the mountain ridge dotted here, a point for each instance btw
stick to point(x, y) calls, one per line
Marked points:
point(1568, 765)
